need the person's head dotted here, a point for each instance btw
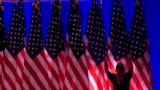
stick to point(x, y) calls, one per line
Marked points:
point(120, 69)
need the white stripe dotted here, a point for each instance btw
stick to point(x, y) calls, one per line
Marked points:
point(62, 69)
point(112, 60)
point(10, 58)
point(83, 75)
point(6, 85)
point(84, 60)
point(110, 88)
point(55, 83)
point(6, 69)
point(61, 65)
point(144, 70)
point(18, 69)
point(147, 58)
point(54, 66)
point(14, 64)
point(9, 73)
point(21, 60)
point(30, 78)
point(133, 83)
point(137, 73)
point(18, 87)
point(45, 66)
point(74, 79)
point(36, 69)
point(99, 76)
point(67, 84)
point(92, 81)
point(77, 66)
point(98, 73)
point(25, 86)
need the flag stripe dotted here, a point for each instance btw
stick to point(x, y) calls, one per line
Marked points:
point(28, 79)
point(6, 85)
point(35, 72)
point(8, 78)
point(142, 74)
point(42, 64)
point(53, 73)
point(75, 84)
point(134, 76)
point(95, 73)
point(67, 84)
point(77, 68)
point(62, 65)
point(144, 70)
point(20, 64)
point(10, 63)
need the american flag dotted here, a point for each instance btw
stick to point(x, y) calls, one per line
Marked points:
point(21, 44)
point(139, 51)
point(96, 48)
point(118, 40)
point(76, 77)
point(55, 49)
point(2, 37)
point(35, 65)
point(14, 52)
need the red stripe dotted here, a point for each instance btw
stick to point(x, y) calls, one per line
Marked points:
point(41, 69)
point(94, 75)
point(77, 72)
point(35, 75)
point(20, 66)
point(26, 79)
point(10, 66)
point(147, 65)
point(54, 73)
point(62, 72)
point(140, 71)
point(42, 53)
point(9, 81)
point(103, 73)
point(69, 78)
point(137, 82)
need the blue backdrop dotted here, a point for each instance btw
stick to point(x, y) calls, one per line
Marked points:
point(151, 11)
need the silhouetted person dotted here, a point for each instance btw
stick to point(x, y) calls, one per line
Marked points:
point(120, 80)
